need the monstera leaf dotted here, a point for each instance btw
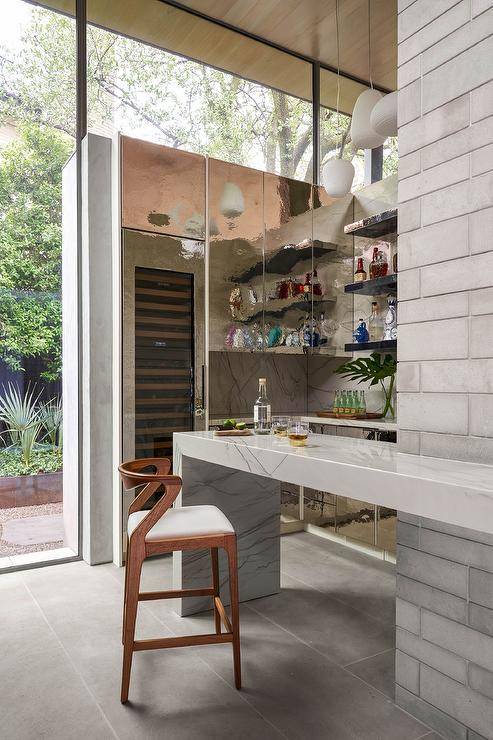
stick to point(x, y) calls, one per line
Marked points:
point(372, 369)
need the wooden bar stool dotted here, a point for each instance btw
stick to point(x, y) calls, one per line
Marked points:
point(164, 529)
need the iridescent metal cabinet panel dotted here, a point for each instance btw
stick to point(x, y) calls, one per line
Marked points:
point(163, 189)
point(333, 251)
point(236, 257)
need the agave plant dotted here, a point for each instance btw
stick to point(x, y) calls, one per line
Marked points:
point(373, 369)
point(51, 416)
point(21, 418)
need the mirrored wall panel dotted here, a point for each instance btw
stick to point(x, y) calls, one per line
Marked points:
point(163, 189)
point(290, 283)
point(236, 257)
point(333, 264)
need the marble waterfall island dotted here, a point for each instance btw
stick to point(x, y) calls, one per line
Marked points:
point(241, 475)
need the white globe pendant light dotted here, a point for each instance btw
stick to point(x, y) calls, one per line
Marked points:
point(337, 173)
point(362, 134)
point(383, 118)
point(337, 177)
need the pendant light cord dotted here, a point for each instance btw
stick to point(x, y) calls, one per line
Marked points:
point(338, 64)
point(369, 44)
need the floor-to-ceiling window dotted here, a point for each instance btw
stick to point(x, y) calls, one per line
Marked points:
point(256, 113)
point(37, 138)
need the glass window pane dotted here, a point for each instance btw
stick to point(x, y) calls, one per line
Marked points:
point(38, 503)
point(236, 99)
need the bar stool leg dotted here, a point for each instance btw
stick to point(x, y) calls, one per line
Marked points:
point(125, 590)
point(215, 586)
point(231, 549)
point(134, 566)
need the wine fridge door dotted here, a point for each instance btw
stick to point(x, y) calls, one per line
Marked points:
point(163, 341)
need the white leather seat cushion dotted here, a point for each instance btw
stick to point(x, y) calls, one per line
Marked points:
point(186, 521)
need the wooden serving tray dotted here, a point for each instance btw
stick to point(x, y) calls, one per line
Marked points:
point(232, 432)
point(361, 417)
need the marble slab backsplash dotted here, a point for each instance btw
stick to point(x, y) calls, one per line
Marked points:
point(233, 384)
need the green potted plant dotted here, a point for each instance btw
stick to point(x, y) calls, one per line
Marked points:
point(373, 369)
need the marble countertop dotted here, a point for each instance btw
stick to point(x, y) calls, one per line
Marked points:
point(451, 491)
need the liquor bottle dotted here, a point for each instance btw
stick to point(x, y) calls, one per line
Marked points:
point(261, 409)
point(307, 334)
point(360, 274)
point(335, 405)
point(307, 287)
point(315, 337)
point(317, 287)
point(348, 406)
point(379, 265)
point(375, 323)
point(362, 403)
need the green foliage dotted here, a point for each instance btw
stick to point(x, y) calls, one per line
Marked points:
point(21, 418)
point(373, 369)
point(42, 461)
point(51, 417)
point(30, 247)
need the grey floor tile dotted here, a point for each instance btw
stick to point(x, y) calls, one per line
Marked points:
point(337, 630)
point(378, 671)
point(42, 695)
point(360, 581)
point(174, 693)
point(304, 694)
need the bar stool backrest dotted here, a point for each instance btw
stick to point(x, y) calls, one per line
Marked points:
point(131, 475)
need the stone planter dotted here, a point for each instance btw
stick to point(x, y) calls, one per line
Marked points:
point(31, 490)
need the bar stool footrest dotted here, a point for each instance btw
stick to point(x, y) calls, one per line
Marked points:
point(183, 641)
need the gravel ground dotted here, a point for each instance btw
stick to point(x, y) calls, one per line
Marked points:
point(22, 512)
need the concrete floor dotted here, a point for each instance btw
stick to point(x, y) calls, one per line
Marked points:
point(317, 658)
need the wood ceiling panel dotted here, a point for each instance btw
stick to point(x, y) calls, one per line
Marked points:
point(308, 27)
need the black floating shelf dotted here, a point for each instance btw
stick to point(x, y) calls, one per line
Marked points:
point(374, 226)
point(377, 286)
point(283, 261)
point(388, 344)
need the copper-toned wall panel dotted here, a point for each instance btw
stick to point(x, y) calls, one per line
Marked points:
point(236, 256)
point(163, 189)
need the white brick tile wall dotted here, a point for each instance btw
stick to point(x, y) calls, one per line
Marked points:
point(481, 415)
point(460, 75)
point(432, 309)
point(468, 273)
point(436, 243)
point(445, 354)
point(481, 230)
point(435, 178)
point(419, 14)
point(439, 123)
point(482, 102)
point(456, 42)
point(457, 376)
point(433, 341)
point(481, 337)
point(466, 140)
point(455, 200)
point(434, 412)
point(409, 284)
point(481, 301)
point(434, 32)
point(408, 377)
